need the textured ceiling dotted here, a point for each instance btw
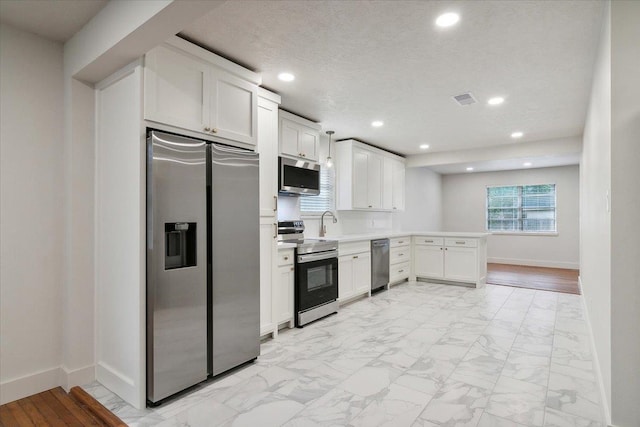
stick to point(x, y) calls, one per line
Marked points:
point(359, 61)
point(56, 20)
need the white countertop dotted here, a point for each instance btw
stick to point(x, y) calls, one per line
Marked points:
point(284, 245)
point(391, 234)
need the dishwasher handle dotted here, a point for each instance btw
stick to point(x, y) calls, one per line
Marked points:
point(380, 243)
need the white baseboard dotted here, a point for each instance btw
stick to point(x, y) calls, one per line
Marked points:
point(596, 361)
point(120, 384)
point(535, 263)
point(45, 380)
point(81, 376)
point(29, 384)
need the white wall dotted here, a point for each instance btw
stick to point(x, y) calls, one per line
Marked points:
point(610, 272)
point(595, 219)
point(464, 209)
point(625, 206)
point(32, 212)
point(423, 201)
point(78, 319)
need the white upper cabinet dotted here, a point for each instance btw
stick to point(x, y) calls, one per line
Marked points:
point(174, 87)
point(233, 107)
point(365, 178)
point(397, 185)
point(268, 148)
point(387, 183)
point(299, 137)
point(190, 88)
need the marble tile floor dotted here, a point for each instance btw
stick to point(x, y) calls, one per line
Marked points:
point(419, 354)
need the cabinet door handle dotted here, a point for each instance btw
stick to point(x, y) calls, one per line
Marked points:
point(440, 248)
point(355, 256)
point(207, 129)
point(286, 258)
point(400, 271)
point(428, 241)
point(275, 203)
point(401, 241)
point(460, 242)
point(395, 207)
point(214, 130)
point(400, 254)
point(370, 206)
point(291, 268)
point(446, 249)
point(275, 230)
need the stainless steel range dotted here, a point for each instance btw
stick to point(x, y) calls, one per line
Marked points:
point(316, 273)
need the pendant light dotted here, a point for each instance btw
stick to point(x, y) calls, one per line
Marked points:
point(329, 162)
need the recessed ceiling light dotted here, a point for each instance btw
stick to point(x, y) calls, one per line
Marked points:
point(286, 77)
point(527, 164)
point(469, 169)
point(424, 146)
point(447, 19)
point(517, 135)
point(377, 123)
point(497, 100)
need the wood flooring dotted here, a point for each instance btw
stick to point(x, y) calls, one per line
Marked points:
point(56, 408)
point(542, 278)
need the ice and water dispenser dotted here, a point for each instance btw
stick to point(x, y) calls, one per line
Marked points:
point(180, 245)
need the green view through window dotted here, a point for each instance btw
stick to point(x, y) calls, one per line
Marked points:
point(522, 208)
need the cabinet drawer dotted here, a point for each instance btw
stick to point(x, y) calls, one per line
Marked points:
point(401, 254)
point(285, 257)
point(429, 241)
point(399, 241)
point(399, 272)
point(354, 247)
point(469, 243)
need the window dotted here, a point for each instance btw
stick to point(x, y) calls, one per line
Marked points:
point(522, 208)
point(310, 205)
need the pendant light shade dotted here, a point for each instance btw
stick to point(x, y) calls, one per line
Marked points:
point(329, 162)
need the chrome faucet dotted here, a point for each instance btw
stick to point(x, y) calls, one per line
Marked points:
point(323, 228)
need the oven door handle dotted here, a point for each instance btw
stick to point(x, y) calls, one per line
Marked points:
point(317, 257)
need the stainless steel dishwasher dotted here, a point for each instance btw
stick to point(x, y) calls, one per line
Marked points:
point(379, 264)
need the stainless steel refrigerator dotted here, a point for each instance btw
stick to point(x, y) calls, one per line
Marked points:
point(203, 271)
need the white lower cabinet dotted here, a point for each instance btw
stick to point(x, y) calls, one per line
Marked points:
point(429, 261)
point(354, 270)
point(283, 287)
point(268, 254)
point(460, 264)
point(399, 272)
point(399, 259)
point(459, 260)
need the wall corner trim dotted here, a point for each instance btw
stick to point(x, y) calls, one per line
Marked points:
point(596, 361)
point(76, 377)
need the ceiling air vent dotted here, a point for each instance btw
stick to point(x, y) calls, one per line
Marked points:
point(465, 99)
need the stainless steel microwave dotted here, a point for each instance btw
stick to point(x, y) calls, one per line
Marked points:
point(298, 177)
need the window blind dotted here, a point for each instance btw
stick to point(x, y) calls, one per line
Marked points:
point(323, 201)
point(522, 208)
